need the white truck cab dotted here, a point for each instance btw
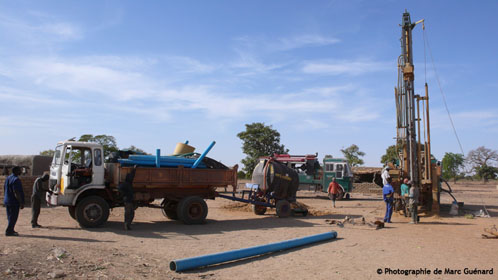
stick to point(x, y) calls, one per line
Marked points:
point(76, 168)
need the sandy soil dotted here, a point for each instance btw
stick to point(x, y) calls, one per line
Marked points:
point(62, 249)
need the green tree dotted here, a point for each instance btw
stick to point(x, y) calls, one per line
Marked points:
point(482, 161)
point(353, 154)
point(452, 164)
point(136, 150)
point(241, 174)
point(49, 153)
point(391, 155)
point(486, 172)
point(259, 140)
point(107, 141)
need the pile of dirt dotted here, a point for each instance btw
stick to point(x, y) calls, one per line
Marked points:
point(238, 206)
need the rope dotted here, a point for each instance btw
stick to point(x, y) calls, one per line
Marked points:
point(426, 41)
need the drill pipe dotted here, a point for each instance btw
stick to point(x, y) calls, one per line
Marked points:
point(189, 263)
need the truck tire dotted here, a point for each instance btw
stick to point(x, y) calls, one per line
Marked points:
point(283, 208)
point(192, 210)
point(258, 209)
point(72, 211)
point(92, 211)
point(169, 209)
point(340, 195)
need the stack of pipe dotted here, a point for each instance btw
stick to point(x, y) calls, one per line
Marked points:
point(166, 161)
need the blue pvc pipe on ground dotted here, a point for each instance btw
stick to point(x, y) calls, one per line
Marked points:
point(189, 263)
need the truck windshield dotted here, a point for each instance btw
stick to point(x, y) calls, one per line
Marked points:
point(57, 155)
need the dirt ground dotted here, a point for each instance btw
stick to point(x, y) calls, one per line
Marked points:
point(64, 250)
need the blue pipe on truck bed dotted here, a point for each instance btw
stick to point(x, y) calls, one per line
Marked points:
point(189, 263)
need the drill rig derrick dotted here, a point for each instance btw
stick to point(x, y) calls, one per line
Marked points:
point(415, 159)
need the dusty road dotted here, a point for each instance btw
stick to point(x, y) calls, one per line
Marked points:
point(62, 249)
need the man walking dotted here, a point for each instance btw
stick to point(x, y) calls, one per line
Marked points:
point(39, 189)
point(126, 190)
point(387, 193)
point(333, 190)
point(13, 200)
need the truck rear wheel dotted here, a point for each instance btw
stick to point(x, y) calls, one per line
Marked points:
point(258, 209)
point(92, 211)
point(283, 208)
point(72, 211)
point(192, 210)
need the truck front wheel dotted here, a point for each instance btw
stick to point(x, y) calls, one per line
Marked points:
point(192, 210)
point(92, 211)
point(72, 211)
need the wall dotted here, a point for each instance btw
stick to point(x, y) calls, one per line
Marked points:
point(27, 186)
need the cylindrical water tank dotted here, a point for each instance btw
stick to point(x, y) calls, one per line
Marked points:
point(274, 176)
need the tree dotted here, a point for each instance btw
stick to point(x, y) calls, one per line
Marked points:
point(107, 141)
point(486, 172)
point(482, 162)
point(482, 156)
point(241, 174)
point(353, 154)
point(452, 164)
point(391, 154)
point(49, 153)
point(136, 150)
point(259, 140)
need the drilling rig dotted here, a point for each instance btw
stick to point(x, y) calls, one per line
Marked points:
point(413, 146)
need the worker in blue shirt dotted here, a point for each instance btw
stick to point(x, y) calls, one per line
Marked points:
point(404, 195)
point(13, 199)
point(388, 195)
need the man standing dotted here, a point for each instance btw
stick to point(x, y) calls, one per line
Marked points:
point(13, 200)
point(413, 195)
point(385, 175)
point(387, 193)
point(333, 190)
point(126, 190)
point(39, 188)
point(404, 194)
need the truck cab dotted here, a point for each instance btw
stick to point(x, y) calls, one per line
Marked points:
point(339, 169)
point(75, 168)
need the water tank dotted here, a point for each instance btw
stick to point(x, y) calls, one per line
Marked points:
point(281, 180)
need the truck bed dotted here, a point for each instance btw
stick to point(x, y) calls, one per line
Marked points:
point(165, 181)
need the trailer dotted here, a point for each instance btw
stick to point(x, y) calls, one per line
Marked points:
point(81, 181)
point(311, 173)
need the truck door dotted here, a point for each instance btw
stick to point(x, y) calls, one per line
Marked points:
point(66, 168)
point(98, 167)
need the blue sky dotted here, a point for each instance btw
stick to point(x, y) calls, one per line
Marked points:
point(154, 73)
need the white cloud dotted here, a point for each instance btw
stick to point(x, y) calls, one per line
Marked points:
point(475, 119)
point(310, 40)
point(39, 30)
point(188, 64)
point(83, 78)
point(23, 97)
point(344, 67)
point(251, 65)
